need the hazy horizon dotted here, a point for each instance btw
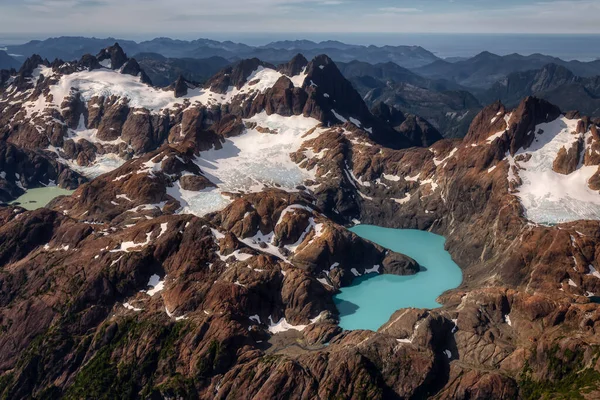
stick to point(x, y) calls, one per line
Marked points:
point(583, 47)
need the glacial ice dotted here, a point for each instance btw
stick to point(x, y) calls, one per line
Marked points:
point(547, 196)
point(252, 161)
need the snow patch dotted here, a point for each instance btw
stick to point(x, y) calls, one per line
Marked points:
point(130, 307)
point(403, 200)
point(547, 196)
point(374, 270)
point(156, 283)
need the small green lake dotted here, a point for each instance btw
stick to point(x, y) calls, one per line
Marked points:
point(40, 197)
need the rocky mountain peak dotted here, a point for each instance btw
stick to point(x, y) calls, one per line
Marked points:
point(89, 62)
point(236, 75)
point(557, 70)
point(531, 111)
point(322, 66)
point(131, 67)
point(486, 123)
point(519, 124)
point(30, 64)
point(340, 103)
point(333, 91)
point(295, 66)
point(180, 87)
point(551, 76)
point(25, 73)
point(115, 54)
point(486, 56)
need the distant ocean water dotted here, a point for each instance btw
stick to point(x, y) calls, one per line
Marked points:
point(568, 47)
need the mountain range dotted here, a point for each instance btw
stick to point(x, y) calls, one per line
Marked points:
point(71, 48)
point(483, 70)
point(7, 62)
point(206, 237)
point(554, 83)
point(447, 93)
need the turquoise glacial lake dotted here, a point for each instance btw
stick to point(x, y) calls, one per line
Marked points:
point(373, 298)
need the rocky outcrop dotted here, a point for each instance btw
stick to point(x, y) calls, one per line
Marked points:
point(236, 75)
point(519, 125)
point(180, 87)
point(531, 112)
point(24, 79)
point(389, 114)
point(283, 99)
point(131, 67)
point(114, 54)
point(419, 131)
point(114, 116)
point(489, 121)
point(567, 160)
point(297, 232)
point(142, 182)
point(294, 67)
point(416, 129)
point(89, 62)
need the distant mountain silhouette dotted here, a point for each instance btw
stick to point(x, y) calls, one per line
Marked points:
point(8, 62)
point(485, 69)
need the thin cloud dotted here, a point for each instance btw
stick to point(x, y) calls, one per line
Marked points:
point(112, 17)
point(399, 10)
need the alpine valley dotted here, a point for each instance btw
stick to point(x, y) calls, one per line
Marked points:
point(206, 240)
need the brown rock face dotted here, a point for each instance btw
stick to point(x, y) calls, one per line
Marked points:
point(482, 126)
point(181, 87)
point(567, 160)
point(283, 99)
point(131, 67)
point(144, 132)
point(73, 107)
point(195, 183)
point(114, 116)
point(531, 112)
point(594, 182)
point(519, 127)
point(294, 67)
point(236, 75)
point(115, 54)
point(419, 131)
point(89, 62)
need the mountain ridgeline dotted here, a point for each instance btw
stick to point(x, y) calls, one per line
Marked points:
point(446, 93)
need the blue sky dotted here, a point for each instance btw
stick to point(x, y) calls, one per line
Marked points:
point(186, 17)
